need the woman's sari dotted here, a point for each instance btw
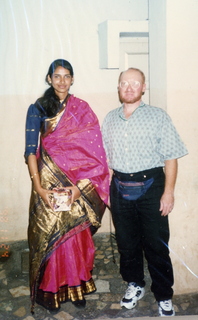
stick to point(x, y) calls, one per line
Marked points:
point(61, 247)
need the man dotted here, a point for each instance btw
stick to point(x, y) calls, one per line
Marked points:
point(142, 147)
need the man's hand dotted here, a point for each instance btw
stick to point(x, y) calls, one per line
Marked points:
point(166, 203)
point(167, 199)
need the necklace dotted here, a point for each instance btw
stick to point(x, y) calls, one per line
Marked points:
point(64, 101)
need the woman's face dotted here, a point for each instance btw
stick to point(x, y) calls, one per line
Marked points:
point(61, 81)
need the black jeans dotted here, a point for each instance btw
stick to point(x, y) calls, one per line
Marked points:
point(140, 228)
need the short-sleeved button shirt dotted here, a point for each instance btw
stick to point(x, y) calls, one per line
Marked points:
point(143, 141)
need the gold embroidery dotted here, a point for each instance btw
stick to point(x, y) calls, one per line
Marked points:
point(50, 124)
point(46, 226)
point(34, 116)
point(65, 293)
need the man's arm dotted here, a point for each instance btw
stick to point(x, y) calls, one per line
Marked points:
point(167, 199)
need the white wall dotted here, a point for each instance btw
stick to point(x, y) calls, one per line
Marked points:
point(182, 70)
point(174, 70)
point(157, 52)
point(33, 34)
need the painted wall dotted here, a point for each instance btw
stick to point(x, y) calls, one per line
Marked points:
point(33, 34)
point(173, 75)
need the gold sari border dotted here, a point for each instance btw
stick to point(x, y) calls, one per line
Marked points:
point(51, 301)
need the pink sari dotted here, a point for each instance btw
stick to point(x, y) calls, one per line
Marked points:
point(79, 153)
point(61, 245)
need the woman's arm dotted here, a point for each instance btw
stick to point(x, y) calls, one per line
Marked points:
point(34, 174)
point(44, 194)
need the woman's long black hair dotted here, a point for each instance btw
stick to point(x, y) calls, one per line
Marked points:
point(49, 103)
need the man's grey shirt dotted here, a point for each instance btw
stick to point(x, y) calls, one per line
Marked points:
point(143, 141)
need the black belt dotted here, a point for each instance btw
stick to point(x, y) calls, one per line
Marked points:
point(137, 176)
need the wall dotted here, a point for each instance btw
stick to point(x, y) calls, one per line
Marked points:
point(174, 69)
point(33, 34)
point(157, 52)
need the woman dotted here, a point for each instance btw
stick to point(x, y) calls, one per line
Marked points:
point(71, 156)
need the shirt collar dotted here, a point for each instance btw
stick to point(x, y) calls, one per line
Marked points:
point(121, 112)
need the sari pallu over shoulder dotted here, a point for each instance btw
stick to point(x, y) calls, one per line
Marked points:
point(76, 146)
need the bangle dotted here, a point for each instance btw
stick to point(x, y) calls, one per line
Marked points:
point(34, 174)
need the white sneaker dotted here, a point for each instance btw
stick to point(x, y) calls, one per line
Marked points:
point(132, 295)
point(166, 308)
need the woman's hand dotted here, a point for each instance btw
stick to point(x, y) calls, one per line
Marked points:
point(45, 195)
point(75, 193)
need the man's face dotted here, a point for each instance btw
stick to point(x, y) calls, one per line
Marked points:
point(131, 87)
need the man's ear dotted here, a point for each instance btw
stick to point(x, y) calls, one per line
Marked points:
point(143, 88)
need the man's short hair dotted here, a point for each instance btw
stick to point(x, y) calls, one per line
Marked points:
point(134, 69)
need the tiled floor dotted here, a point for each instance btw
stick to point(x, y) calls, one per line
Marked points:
point(104, 304)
